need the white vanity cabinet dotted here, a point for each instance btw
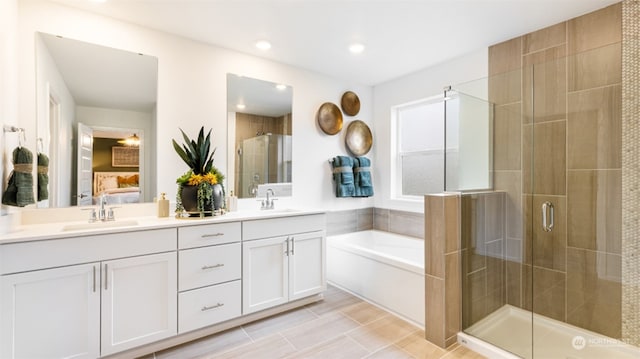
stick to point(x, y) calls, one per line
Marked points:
point(283, 259)
point(56, 293)
point(52, 313)
point(138, 301)
point(209, 275)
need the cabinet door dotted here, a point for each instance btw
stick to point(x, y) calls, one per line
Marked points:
point(139, 301)
point(307, 271)
point(264, 274)
point(51, 313)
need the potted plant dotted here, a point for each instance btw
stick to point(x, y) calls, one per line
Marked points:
point(200, 189)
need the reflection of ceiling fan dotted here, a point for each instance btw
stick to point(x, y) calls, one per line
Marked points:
point(132, 140)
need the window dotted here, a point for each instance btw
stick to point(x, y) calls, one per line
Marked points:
point(418, 148)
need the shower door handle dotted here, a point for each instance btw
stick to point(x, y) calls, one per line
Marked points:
point(547, 213)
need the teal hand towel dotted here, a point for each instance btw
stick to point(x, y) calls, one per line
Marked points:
point(363, 183)
point(19, 191)
point(343, 176)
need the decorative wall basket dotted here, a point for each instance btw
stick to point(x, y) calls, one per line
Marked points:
point(350, 103)
point(359, 138)
point(329, 118)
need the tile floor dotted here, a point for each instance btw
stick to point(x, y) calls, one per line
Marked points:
point(340, 326)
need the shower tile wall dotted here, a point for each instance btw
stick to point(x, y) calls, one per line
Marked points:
point(483, 248)
point(569, 76)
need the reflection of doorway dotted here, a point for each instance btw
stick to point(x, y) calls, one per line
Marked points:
point(85, 159)
point(54, 120)
point(94, 156)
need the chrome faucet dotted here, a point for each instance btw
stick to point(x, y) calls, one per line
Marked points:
point(102, 213)
point(268, 203)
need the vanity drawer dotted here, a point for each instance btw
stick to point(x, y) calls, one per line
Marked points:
point(205, 266)
point(34, 255)
point(209, 234)
point(210, 305)
point(274, 227)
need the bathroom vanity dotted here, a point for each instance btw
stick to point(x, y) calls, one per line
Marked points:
point(97, 291)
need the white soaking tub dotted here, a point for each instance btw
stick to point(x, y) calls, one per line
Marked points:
point(384, 268)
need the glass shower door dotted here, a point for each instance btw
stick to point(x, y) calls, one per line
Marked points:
point(573, 182)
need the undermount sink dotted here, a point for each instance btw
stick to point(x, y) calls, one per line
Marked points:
point(259, 212)
point(99, 225)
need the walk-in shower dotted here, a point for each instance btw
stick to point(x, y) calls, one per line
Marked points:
point(542, 253)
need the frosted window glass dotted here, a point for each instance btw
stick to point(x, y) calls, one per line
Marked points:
point(421, 127)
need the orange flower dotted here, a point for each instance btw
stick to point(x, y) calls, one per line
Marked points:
point(195, 180)
point(211, 178)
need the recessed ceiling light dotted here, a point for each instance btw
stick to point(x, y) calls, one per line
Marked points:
point(356, 48)
point(240, 106)
point(281, 87)
point(263, 45)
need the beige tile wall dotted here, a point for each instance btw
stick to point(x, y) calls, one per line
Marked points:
point(382, 219)
point(567, 114)
point(483, 249)
point(442, 268)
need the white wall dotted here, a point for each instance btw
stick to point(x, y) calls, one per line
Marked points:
point(8, 85)
point(412, 87)
point(192, 93)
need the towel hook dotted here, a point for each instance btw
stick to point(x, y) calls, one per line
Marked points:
point(22, 138)
point(39, 145)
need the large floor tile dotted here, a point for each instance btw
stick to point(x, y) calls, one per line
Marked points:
point(284, 321)
point(341, 347)
point(215, 343)
point(363, 312)
point(382, 332)
point(271, 347)
point(318, 330)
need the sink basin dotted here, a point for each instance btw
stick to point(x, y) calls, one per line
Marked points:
point(99, 225)
point(260, 213)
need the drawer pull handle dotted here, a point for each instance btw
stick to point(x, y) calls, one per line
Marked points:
point(213, 266)
point(217, 305)
point(209, 235)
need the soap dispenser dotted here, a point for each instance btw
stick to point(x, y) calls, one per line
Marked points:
point(163, 206)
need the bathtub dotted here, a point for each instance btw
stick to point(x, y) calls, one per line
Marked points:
point(384, 268)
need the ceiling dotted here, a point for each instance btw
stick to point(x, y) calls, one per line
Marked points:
point(400, 36)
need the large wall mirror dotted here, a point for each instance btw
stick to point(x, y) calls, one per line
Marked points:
point(259, 138)
point(96, 121)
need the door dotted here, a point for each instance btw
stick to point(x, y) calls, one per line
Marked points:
point(307, 264)
point(139, 301)
point(264, 273)
point(575, 208)
point(85, 166)
point(35, 306)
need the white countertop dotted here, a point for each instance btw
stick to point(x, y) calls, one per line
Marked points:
point(57, 230)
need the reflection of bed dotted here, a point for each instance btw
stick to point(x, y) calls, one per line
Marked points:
point(118, 187)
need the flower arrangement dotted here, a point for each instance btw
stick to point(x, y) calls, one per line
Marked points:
point(202, 174)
